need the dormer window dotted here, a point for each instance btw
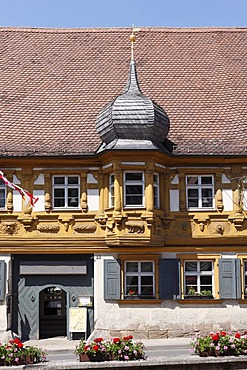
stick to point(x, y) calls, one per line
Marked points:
point(134, 189)
point(66, 190)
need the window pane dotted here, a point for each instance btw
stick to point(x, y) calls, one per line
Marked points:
point(73, 201)
point(133, 189)
point(193, 200)
point(206, 280)
point(146, 266)
point(133, 176)
point(147, 290)
point(131, 266)
point(73, 180)
point(191, 266)
point(59, 180)
point(133, 200)
point(156, 179)
point(111, 179)
point(206, 266)
point(192, 180)
point(132, 280)
point(207, 200)
point(73, 192)
point(207, 180)
point(147, 280)
point(59, 202)
point(2, 203)
point(59, 193)
point(2, 183)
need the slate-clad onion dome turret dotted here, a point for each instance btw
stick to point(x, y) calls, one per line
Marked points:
point(132, 120)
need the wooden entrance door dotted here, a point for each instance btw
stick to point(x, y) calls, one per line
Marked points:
point(52, 322)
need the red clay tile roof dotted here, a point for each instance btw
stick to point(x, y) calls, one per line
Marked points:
point(54, 82)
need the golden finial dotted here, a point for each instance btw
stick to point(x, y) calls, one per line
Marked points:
point(132, 40)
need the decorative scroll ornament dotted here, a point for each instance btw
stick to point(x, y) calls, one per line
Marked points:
point(85, 228)
point(48, 228)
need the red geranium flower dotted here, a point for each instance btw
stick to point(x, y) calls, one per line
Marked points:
point(17, 340)
point(95, 348)
point(116, 340)
point(223, 333)
point(11, 341)
point(86, 348)
point(215, 337)
point(130, 336)
point(237, 335)
point(98, 340)
point(20, 345)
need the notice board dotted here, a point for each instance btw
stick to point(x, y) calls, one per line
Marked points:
point(78, 319)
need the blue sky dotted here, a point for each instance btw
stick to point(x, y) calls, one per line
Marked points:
point(123, 13)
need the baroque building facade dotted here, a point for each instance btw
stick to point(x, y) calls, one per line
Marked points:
point(141, 219)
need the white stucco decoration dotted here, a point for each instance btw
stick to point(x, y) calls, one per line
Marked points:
point(227, 199)
point(91, 179)
point(40, 204)
point(225, 179)
point(175, 180)
point(40, 180)
point(93, 199)
point(174, 200)
point(17, 201)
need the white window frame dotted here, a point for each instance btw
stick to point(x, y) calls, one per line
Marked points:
point(199, 273)
point(200, 187)
point(3, 187)
point(133, 183)
point(111, 190)
point(66, 187)
point(139, 274)
point(156, 187)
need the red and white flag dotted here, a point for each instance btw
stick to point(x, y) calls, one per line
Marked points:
point(24, 193)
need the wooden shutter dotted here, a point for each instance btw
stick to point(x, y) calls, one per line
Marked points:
point(168, 278)
point(2, 279)
point(229, 273)
point(111, 279)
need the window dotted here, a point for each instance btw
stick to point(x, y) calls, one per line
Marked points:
point(134, 189)
point(139, 279)
point(245, 279)
point(200, 192)
point(2, 194)
point(198, 277)
point(66, 190)
point(111, 190)
point(156, 191)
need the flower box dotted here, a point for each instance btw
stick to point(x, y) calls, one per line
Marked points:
point(119, 349)
point(220, 344)
point(194, 297)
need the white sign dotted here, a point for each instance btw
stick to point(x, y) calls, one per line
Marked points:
point(78, 319)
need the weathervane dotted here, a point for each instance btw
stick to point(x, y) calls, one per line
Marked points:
point(132, 40)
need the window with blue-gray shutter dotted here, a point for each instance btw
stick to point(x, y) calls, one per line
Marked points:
point(169, 278)
point(2, 279)
point(111, 279)
point(229, 273)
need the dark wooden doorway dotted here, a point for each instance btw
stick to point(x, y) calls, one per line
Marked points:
point(53, 321)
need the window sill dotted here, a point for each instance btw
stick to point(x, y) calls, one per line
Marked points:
point(139, 301)
point(200, 301)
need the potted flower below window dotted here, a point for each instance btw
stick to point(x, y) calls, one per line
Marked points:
point(132, 294)
point(193, 294)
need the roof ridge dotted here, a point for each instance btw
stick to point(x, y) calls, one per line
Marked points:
point(123, 29)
